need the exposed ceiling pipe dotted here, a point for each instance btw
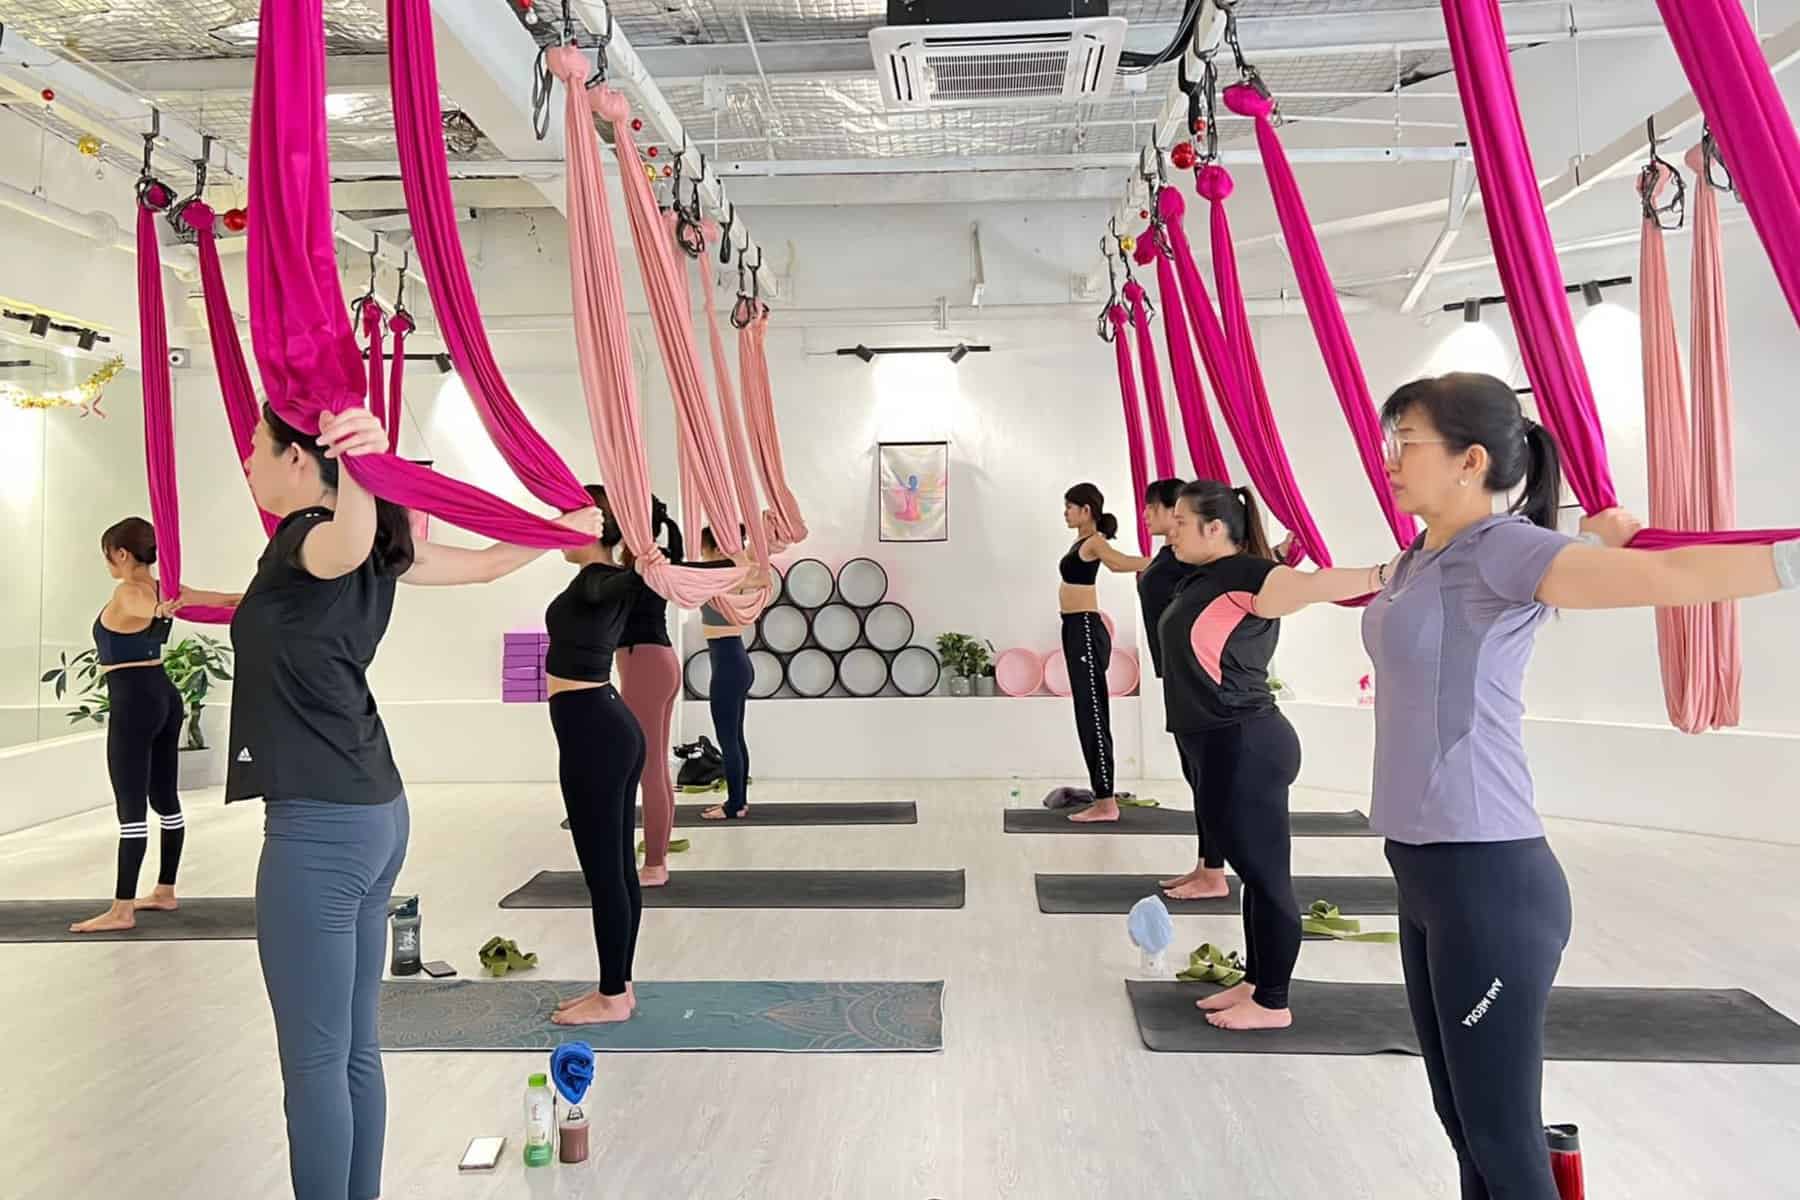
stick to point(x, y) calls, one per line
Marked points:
point(95, 226)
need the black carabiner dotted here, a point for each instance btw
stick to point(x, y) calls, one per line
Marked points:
point(1712, 159)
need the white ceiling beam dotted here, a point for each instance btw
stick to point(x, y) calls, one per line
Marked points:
point(378, 194)
point(1462, 190)
point(358, 73)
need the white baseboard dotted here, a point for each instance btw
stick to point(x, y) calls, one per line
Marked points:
point(43, 781)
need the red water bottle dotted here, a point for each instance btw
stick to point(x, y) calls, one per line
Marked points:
point(1565, 1161)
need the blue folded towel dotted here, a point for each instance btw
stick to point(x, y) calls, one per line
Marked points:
point(1149, 925)
point(572, 1070)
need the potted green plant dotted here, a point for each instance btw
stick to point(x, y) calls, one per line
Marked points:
point(953, 652)
point(84, 670)
point(981, 660)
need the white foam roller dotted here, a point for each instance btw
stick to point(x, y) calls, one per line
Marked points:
point(811, 673)
point(915, 671)
point(767, 678)
point(888, 627)
point(836, 627)
point(809, 584)
point(698, 674)
point(863, 672)
point(862, 582)
point(782, 628)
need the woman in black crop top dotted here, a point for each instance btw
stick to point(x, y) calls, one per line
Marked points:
point(143, 724)
point(1087, 646)
point(600, 757)
point(307, 739)
point(1218, 635)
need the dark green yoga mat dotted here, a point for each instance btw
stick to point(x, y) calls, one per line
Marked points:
point(858, 812)
point(205, 919)
point(761, 889)
point(1175, 821)
point(1671, 1025)
point(1355, 895)
point(816, 1018)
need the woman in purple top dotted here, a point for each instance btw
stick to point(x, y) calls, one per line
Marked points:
point(1484, 906)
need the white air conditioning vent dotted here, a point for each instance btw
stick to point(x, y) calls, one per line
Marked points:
point(1008, 62)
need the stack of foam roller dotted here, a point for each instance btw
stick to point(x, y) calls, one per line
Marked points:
point(522, 679)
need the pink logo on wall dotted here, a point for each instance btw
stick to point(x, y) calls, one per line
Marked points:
point(1365, 691)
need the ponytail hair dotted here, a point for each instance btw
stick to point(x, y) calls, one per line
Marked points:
point(135, 536)
point(1236, 509)
point(1164, 492)
point(661, 522)
point(1086, 495)
point(1471, 409)
point(393, 548)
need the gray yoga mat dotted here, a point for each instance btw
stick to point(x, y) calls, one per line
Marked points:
point(859, 812)
point(205, 919)
point(817, 1018)
point(762, 889)
point(1176, 821)
point(1674, 1025)
point(1355, 895)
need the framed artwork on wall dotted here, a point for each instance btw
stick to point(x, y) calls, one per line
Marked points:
point(912, 484)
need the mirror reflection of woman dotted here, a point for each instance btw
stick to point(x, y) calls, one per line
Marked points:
point(728, 694)
point(143, 725)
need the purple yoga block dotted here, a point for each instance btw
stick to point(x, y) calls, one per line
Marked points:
point(522, 675)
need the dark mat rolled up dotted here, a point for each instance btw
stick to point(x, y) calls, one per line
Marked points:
point(817, 1018)
point(1355, 895)
point(204, 919)
point(1175, 821)
point(859, 812)
point(762, 889)
point(1673, 1025)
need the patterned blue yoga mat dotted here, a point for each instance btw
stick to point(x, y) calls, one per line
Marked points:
point(727, 1015)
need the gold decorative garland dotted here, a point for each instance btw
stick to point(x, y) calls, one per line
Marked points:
point(86, 395)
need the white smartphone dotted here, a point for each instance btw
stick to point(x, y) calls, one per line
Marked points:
point(483, 1154)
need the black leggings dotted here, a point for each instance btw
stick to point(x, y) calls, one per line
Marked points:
point(727, 695)
point(600, 753)
point(1209, 849)
point(1482, 931)
point(1087, 649)
point(143, 734)
point(1245, 772)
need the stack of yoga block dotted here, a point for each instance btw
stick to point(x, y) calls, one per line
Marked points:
point(522, 678)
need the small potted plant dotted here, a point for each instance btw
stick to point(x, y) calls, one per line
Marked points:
point(953, 652)
point(982, 660)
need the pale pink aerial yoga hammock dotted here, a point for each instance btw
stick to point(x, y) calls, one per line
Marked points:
point(786, 524)
point(305, 350)
point(1530, 271)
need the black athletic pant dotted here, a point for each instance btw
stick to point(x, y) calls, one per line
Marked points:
point(727, 696)
point(1087, 650)
point(1482, 931)
point(1245, 772)
point(143, 735)
point(1209, 848)
point(600, 752)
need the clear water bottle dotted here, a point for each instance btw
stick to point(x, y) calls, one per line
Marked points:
point(1014, 792)
point(540, 1121)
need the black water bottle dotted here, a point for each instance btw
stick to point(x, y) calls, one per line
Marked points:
point(403, 918)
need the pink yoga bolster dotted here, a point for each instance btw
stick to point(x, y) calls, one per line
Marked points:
point(1122, 673)
point(1019, 672)
point(298, 325)
point(1056, 673)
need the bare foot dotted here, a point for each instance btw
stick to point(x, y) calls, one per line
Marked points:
point(1250, 1015)
point(1099, 810)
point(1180, 879)
point(122, 915)
point(631, 995)
point(572, 1001)
point(595, 1010)
point(1202, 885)
point(649, 876)
point(1231, 997)
point(160, 898)
point(717, 813)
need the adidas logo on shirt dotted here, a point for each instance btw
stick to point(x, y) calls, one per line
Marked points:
point(244, 755)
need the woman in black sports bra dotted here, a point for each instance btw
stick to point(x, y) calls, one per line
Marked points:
point(1087, 647)
point(143, 726)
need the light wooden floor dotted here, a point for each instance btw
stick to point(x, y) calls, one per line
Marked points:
point(166, 1051)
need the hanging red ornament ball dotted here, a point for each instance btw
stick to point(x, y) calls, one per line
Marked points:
point(1182, 156)
point(525, 4)
point(236, 220)
point(1143, 214)
point(49, 94)
point(654, 152)
point(668, 171)
point(1199, 126)
point(637, 125)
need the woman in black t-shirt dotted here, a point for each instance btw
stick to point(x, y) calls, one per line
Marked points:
point(1218, 635)
point(307, 739)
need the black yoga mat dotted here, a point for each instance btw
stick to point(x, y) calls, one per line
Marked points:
point(1675, 1025)
point(1175, 821)
point(762, 889)
point(1355, 895)
point(847, 812)
point(205, 919)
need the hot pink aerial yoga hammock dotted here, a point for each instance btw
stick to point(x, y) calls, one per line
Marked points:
point(1207, 456)
point(425, 174)
point(1531, 274)
point(1162, 447)
point(400, 324)
point(1745, 109)
point(298, 324)
point(1134, 421)
point(1322, 307)
point(371, 328)
point(603, 342)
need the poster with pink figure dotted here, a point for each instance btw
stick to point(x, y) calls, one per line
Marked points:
point(912, 481)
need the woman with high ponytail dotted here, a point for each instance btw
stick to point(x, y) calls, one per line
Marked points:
point(307, 739)
point(1087, 646)
point(1450, 637)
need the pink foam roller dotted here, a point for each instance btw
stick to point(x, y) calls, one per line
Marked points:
point(1019, 672)
point(1122, 673)
point(1056, 673)
point(1106, 620)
